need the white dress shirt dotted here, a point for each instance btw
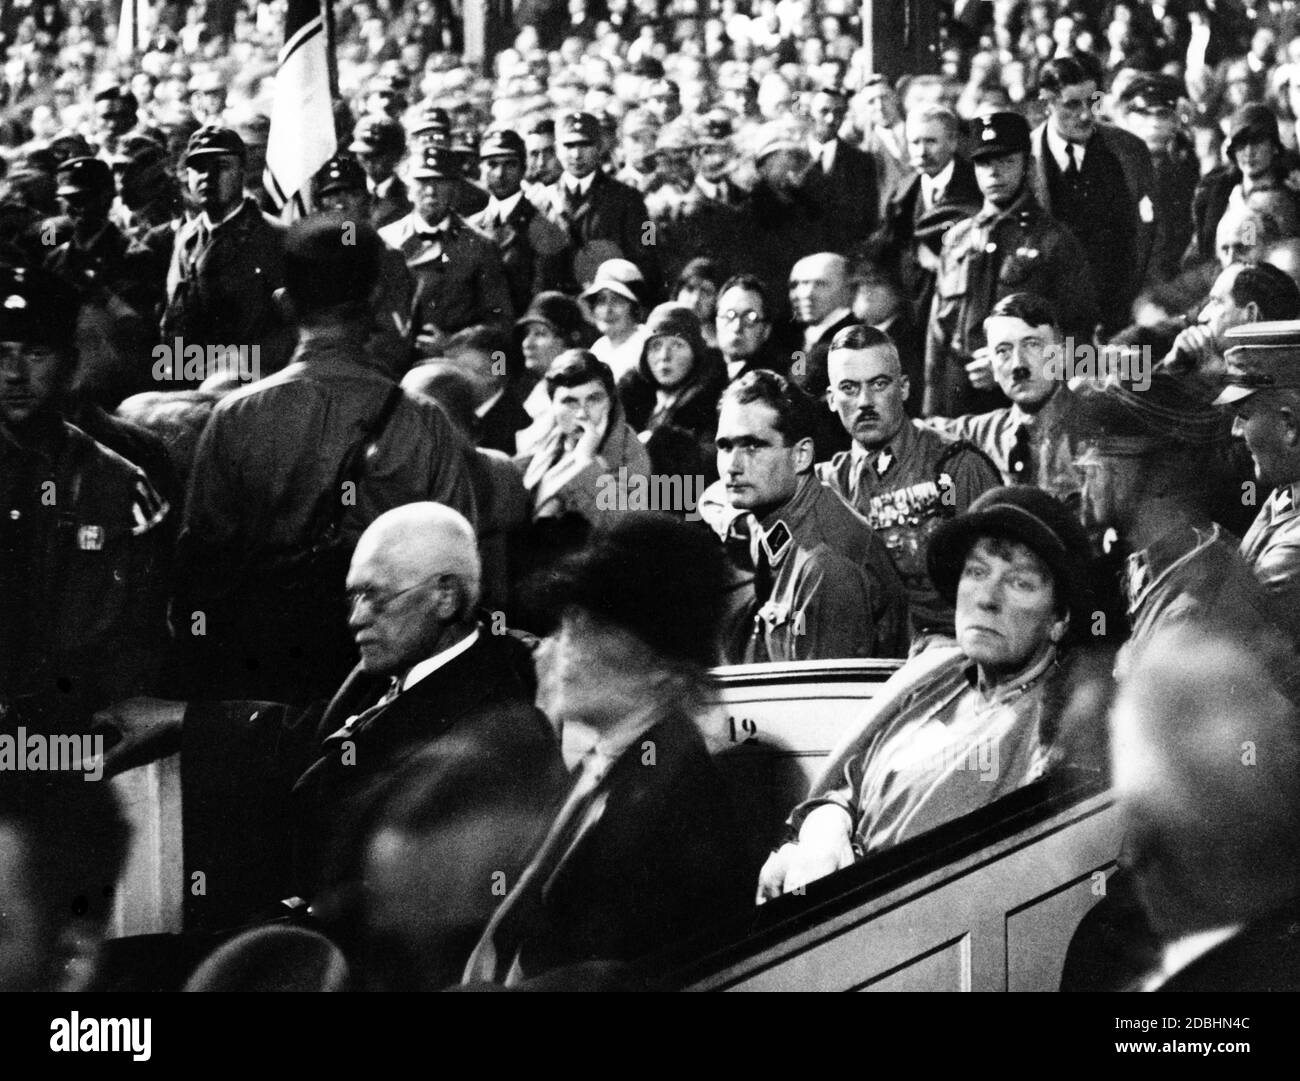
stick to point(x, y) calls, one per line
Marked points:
point(933, 187)
point(1057, 145)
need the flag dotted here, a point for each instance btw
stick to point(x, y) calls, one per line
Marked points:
point(302, 118)
point(133, 28)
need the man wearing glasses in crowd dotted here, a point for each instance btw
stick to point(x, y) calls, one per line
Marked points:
point(744, 329)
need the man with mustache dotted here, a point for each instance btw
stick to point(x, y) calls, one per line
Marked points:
point(904, 478)
point(1030, 440)
point(1011, 246)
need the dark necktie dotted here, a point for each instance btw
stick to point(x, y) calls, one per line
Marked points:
point(772, 546)
point(1071, 170)
point(1020, 461)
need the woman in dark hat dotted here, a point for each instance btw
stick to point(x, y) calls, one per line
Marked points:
point(552, 324)
point(960, 726)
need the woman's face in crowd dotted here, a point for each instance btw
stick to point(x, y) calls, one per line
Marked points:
point(702, 298)
point(541, 345)
point(581, 409)
point(670, 361)
point(613, 314)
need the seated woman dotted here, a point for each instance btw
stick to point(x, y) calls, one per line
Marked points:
point(698, 286)
point(675, 384)
point(615, 299)
point(589, 452)
point(553, 323)
point(958, 727)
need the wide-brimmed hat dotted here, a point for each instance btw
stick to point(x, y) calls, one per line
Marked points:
point(1039, 521)
point(621, 276)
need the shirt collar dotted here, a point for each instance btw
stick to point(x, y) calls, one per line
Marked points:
point(423, 228)
point(207, 221)
point(583, 185)
point(1056, 143)
point(502, 209)
point(813, 333)
point(1181, 952)
point(440, 659)
point(1006, 690)
point(936, 185)
point(381, 189)
point(713, 190)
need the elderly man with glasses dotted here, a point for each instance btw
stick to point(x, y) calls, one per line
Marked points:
point(430, 673)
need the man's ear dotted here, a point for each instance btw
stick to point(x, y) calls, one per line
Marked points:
point(449, 598)
point(804, 453)
point(830, 399)
point(906, 385)
point(1290, 425)
point(1252, 312)
point(1059, 629)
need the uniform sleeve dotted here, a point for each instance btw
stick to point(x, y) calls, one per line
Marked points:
point(972, 475)
point(829, 614)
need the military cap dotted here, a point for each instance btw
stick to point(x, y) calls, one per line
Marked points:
point(212, 140)
point(84, 175)
point(436, 162)
point(326, 264)
point(1147, 93)
point(500, 143)
point(432, 118)
point(1252, 123)
point(376, 135)
point(117, 93)
point(577, 128)
point(68, 144)
point(716, 127)
point(1133, 419)
point(1261, 356)
point(933, 225)
point(996, 134)
point(778, 135)
point(341, 172)
point(36, 307)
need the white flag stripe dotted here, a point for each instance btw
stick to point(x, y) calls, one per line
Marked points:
point(302, 117)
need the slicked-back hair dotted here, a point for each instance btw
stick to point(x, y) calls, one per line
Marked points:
point(861, 336)
point(750, 283)
point(796, 413)
point(1029, 308)
point(1272, 290)
point(1065, 71)
point(576, 367)
point(942, 113)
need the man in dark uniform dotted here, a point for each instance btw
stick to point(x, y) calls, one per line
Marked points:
point(1012, 245)
point(1149, 104)
point(459, 279)
point(120, 283)
point(903, 478)
point(1080, 179)
point(1263, 391)
point(378, 143)
point(228, 260)
point(340, 187)
point(823, 582)
point(603, 218)
point(81, 552)
point(706, 220)
point(532, 247)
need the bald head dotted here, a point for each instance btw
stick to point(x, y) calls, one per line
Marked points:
point(1242, 235)
point(415, 572)
point(819, 285)
point(1205, 754)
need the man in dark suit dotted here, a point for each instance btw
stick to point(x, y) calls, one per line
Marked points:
point(821, 299)
point(459, 279)
point(532, 248)
point(378, 143)
point(744, 325)
point(844, 177)
point(602, 218)
point(646, 850)
point(296, 780)
point(1079, 178)
point(942, 186)
point(1204, 735)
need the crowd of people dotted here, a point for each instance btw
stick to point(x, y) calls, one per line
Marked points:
point(671, 335)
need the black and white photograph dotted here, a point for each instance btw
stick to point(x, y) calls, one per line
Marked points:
point(648, 496)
